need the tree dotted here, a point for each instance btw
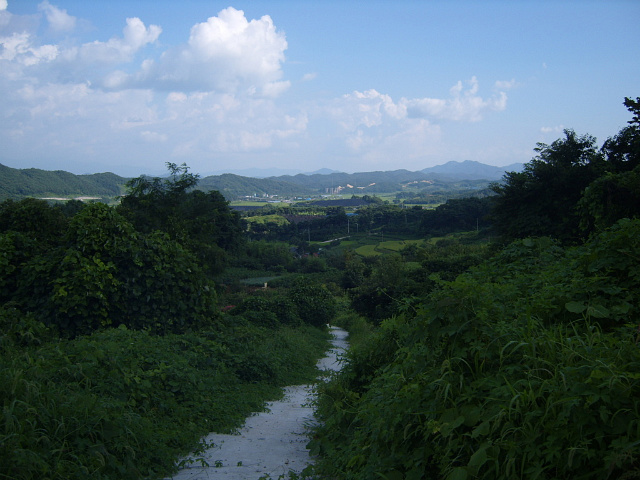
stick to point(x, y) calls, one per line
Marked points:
point(151, 203)
point(541, 200)
point(616, 194)
point(103, 273)
point(202, 222)
point(315, 304)
point(34, 218)
point(634, 107)
point(457, 215)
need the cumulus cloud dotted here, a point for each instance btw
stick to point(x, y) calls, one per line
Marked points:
point(19, 48)
point(369, 108)
point(374, 127)
point(59, 20)
point(366, 108)
point(464, 104)
point(3, 5)
point(119, 49)
point(226, 53)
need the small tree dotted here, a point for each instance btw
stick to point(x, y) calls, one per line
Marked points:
point(314, 302)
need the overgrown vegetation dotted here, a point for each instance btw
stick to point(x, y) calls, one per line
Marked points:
point(525, 366)
point(492, 337)
point(116, 353)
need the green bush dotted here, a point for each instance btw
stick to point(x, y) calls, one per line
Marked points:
point(106, 274)
point(315, 304)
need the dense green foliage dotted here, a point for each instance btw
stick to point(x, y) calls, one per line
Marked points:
point(572, 188)
point(126, 404)
point(200, 221)
point(525, 367)
point(98, 271)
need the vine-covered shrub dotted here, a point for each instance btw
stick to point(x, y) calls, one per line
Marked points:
point(104, 273)
point(314, 302)
point(526, 367)
point(267, 309)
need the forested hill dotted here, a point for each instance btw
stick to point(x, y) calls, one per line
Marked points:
point(20, 183)
point(33, 182)
point(233, 186)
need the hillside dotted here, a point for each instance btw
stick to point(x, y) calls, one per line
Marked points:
point(234, 186)
point(20, 183)
point(470, 170)
point(33, 182)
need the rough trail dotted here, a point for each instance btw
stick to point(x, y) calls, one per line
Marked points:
point(270, 443)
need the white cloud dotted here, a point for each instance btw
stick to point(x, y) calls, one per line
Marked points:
point(275, 89)
point(365, 109)
point(116, 50)
point(59, 20)
point(556, 129)
point(226, 53)
point(505, 84)
point(19, 48)
point(375, 128)
point(463, 105)
point(307, 77)
point(3, 5)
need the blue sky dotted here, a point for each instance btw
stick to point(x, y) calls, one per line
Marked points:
point(126, 86)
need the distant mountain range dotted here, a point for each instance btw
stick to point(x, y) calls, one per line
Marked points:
point(19, 183)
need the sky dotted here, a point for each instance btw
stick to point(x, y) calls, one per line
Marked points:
point(126, 86)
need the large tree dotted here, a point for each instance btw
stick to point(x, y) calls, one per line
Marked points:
point(616, 194)
point(571, 189)
point(541, 200)
point(203, 222)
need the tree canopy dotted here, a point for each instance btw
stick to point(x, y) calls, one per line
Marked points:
point(570, 188)
point(203, 222)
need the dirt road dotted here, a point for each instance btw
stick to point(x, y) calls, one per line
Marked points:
point(271, 443)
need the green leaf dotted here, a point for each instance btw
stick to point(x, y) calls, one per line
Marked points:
point(598, 311)
point(478, 458)
point(458, 473)
point(575, 307)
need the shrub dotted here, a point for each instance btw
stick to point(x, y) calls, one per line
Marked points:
point(315, 304)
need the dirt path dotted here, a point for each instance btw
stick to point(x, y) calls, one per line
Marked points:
point(271, 443)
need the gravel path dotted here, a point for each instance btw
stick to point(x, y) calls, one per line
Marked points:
point(271, 443)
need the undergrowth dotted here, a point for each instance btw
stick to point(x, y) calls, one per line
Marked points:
point(123, 404)
point(527, 367)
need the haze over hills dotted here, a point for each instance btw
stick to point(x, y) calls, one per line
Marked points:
point(20, 183)
point(470, 170)
point(465, 170)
